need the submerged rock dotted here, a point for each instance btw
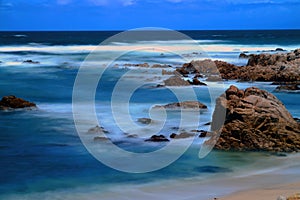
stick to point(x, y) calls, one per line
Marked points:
point(157, 138)
point(181, 135)
point(145, 120)
point(255, 120)
point(31, 62)
point(195, 105)
point(13, 102)
point(97, 129)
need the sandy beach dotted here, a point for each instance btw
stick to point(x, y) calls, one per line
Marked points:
point(267, 193)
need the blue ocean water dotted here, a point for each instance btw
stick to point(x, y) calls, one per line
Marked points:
point(40, 149)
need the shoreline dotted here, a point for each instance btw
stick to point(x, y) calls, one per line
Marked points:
point(267, 193)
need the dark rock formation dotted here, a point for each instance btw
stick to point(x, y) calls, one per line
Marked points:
point(243, 55)
point(255, 120)
point(145, 65)
point(160, 66)
point(197, 82)
point(31, 62)
point(184, 105)
point(157, 138)
point(12, 102)
point(284, 88)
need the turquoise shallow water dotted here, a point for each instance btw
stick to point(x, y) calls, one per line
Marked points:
point(41, 150)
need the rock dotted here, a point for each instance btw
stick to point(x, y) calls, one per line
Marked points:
point(13, 102)
point(167, 72)
point(97, 129)
point(145, 65)
point(214, 78)
point(101, 139)
point(281, 67)
point(31, 62)
point(197, 82)
point(279, 49)
point(243, 55)
point(181, 135)
point(256, 121)
point(157, 138)
point(132, 136)
point(160, 66)
point(294, 197)
point(176, 81)
point(145, 120)
point(292, 87)
point(195, 105)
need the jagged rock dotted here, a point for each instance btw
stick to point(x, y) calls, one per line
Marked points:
point(157, 138)
point(255, 121)
point(176, 81)
point(13, 102)
point(184, 105)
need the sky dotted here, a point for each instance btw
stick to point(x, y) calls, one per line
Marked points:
point(129, 14)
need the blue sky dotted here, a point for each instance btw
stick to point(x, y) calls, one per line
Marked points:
point(128, 14)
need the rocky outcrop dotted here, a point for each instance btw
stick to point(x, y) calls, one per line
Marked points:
point(13, 102)
point(255, 120)
point(281, 67)
point(194, 105)
point(157, 138)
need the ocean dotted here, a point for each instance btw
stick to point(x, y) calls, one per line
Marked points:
point(44, 157)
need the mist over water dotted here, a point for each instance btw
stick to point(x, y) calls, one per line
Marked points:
point(41, 154)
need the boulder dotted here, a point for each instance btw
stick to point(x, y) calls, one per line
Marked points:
point(157, 138)
point(176, 81)
point(195, 105)
point(13, 102)
point(254, 121)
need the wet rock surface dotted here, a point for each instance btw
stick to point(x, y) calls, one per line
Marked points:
point(13, 102)
point(255, 120)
